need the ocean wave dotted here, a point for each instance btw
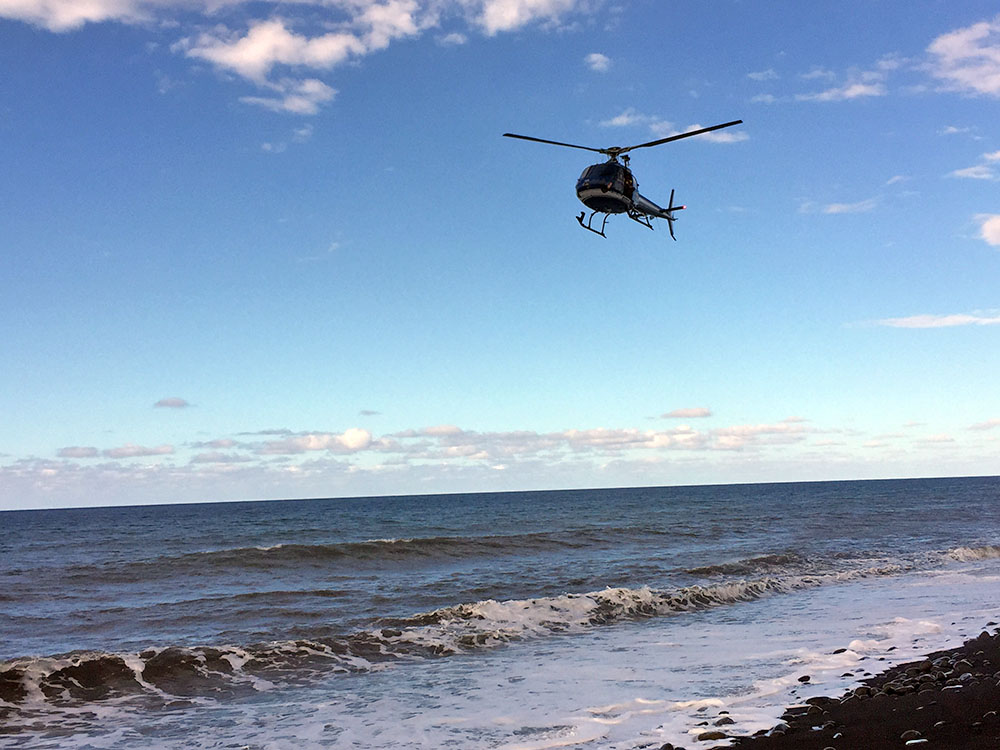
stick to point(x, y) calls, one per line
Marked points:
point(969, 554)
point(377, 552)
point(220, 671)
point(750, 565)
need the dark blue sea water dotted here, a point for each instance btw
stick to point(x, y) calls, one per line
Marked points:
point(484, 620)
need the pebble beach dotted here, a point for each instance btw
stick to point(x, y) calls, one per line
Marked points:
point(948, 700)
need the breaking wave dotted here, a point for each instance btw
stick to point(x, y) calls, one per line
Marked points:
point(175, 672)
point(969, 554)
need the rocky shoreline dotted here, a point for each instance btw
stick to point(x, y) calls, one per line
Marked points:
point(948, 700)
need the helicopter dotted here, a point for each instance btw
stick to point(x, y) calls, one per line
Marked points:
point(610, 188)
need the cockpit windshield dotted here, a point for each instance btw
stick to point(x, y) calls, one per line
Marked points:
point(607, 176)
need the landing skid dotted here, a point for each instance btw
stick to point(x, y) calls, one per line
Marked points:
point(636, 216)
point(640, 218)
point(590, 221)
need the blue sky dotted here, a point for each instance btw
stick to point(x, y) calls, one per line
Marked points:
point(265, 250)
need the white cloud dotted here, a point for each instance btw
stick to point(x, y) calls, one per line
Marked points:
point(968, 59)
point(270, 43)
point(941, 321)
point(989, 228)
point(763, 75)
point(131, 450)
point(66, 15)
point(848, 91)
point(992, 156)
point(217, 457)
point(296, 97)
point(505, 15)
point(764, 99)
point(688, 413)
point(935, 439)
point(350, 441)
point(954, 130)
point(851, 208)
point(816, 73)
point(78, 451)
point(172, 403)
point(453, 39)
point(896, 178)
point(626, 118)
point(598, 62)
point(978, 172)
point(989, 424)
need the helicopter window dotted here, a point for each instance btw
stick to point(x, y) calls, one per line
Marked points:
point(606, 172)
point(607, 176)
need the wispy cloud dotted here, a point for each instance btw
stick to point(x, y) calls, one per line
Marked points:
point(453, 39)
point(968, 59)
point(977, 172)
point(694, 412)
point(131, 450)
point(819, 73)
point(860, 83)
point(78, 451)
point(627, 117)
point(941, 321)
point(851, 208)
point(848, 91)
point(173, 402)
point(764, 75)
point(989, 424)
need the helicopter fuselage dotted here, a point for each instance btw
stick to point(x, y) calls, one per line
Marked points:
point(607, 187)
point(610, 188)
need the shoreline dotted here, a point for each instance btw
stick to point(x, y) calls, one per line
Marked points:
point(946, 700)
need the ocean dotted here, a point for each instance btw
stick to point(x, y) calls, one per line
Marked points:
point(612, 619)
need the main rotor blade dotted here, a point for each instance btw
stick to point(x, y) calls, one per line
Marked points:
point(553, 143)
point(681, 135)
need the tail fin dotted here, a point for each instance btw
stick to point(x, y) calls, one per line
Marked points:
point(669, 217)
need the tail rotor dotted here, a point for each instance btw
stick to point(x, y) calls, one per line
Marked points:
point(670, 215)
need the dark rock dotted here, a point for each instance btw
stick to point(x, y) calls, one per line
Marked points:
point(713, 735)
point(910, 734)
point(805, 678)
point(724, 721)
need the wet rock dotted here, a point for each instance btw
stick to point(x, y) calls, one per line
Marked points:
point(805, 678)
point(910, 734)
point(713, 735)
point(724, 721)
